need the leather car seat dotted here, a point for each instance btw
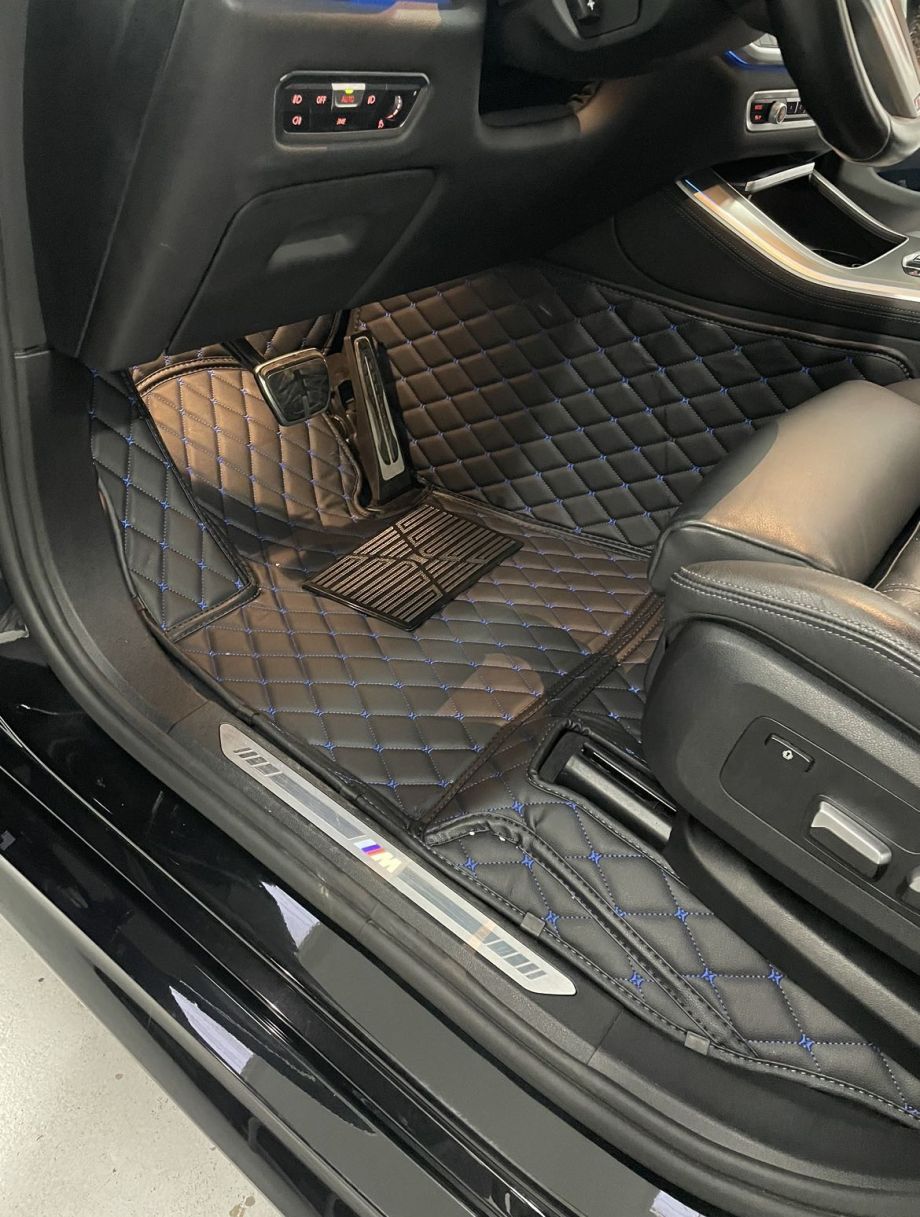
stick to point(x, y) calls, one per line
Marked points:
point(784, 710)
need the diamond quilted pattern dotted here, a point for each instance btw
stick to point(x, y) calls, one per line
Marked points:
point(543, 392)
point(615, 704)
point(616, 909)
point(404, 712)
point(241, 464)
point(144, 371)
point(181, 570)
point(410, 713)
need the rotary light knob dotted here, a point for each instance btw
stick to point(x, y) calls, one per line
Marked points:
point(778, 113)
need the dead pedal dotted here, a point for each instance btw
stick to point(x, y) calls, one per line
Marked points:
point(414, 567)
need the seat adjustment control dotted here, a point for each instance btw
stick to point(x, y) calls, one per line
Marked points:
point(849, 842)
point(911, 893)
point(788, 754)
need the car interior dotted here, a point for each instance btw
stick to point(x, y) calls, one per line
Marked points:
point(471, 450)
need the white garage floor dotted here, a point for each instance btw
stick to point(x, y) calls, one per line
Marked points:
point(70, 1146)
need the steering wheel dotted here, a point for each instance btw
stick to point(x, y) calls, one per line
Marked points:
point(855, 63)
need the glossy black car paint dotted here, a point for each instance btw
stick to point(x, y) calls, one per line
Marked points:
point(331, 1085)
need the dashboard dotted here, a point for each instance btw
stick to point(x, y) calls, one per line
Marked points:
point(218, 167)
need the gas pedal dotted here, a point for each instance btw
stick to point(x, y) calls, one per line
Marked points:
point(377, 438)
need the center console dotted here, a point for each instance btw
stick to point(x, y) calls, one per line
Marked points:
point(808, 228)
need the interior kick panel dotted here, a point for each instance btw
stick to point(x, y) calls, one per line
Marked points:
point(182, 570)
point(579, 403)
point(667, 247)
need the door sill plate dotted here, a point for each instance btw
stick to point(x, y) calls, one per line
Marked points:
point(426, 890)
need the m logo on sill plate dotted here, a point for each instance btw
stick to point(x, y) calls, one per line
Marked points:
point(401, 871)
point(374, 852)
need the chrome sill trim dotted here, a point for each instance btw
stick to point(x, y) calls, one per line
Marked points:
point(884, 277)
point(419, 885)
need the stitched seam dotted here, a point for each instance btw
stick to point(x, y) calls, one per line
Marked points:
point(567, 531)
point(822, 1079)
point(727, 1053)
point(734, 596)
point(497, 742)
point(726, 323)
point(538, 782)
point(564, 705)
point(462, 823)
point(569, 948)
point(684, 998)
point(143, 416)
point(153, 380)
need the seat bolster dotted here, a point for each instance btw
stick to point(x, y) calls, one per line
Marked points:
point(861, 638)
point(829, 485)
point(902, 579)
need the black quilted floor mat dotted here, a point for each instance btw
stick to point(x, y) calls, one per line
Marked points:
point(444, 721)
point(570, 401)
point(405, 712)
point(617, 912)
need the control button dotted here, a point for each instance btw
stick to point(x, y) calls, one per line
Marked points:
point(315, 106)
point(394, 107)
point(787, 754)
point(296, 121)
point(847, 840)
point(767, 111)
point(911, 892)
point(911, 265)
point(347, 96)
point(321, 100)
point(760, 113)
point(585, 12)
point(345, 122)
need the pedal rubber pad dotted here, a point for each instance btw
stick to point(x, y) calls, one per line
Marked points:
point(414, 567)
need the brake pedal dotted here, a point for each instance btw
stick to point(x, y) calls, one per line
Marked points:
point(296, 386)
